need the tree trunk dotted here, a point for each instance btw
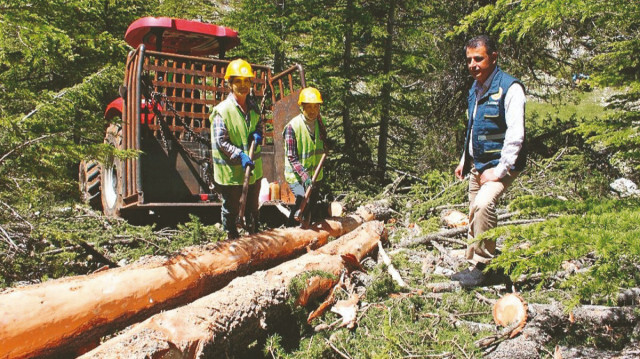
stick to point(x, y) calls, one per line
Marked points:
point(63, 316)
point(224, 323)
point(279, 57)
point(346, 71)
point(385, 95)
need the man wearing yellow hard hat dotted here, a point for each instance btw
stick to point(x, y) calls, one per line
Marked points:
point(304, 144)
point(235, 123)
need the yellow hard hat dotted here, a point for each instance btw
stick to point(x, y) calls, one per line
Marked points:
point(309, 95)
point(238, 68)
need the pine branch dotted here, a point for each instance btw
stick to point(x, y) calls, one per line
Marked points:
point(16, 214)
point(9, 240)
point(462, 230)
point(27, 143)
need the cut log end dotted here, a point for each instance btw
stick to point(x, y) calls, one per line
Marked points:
point(511, 311)
point(455, 219)
point(336, 209)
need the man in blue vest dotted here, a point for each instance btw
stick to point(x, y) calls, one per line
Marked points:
point(493, 151)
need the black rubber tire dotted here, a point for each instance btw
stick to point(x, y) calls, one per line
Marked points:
point(111, 173)
point(90, 184)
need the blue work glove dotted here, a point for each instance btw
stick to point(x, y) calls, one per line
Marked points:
point(246, 161)
point(307, 183)
point(257, 137)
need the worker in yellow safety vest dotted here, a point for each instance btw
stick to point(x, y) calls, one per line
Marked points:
point(235, 123)
point(304, 144)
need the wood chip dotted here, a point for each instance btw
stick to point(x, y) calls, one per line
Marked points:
point(348, 309)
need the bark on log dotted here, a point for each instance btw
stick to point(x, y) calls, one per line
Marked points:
point(63, 317)
point(225, 322)
point(550, 321)
point(632, 351)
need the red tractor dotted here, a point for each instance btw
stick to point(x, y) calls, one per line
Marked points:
point(172, 81)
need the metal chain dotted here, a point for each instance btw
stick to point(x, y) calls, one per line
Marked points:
point(162, 129)
point(161, 98)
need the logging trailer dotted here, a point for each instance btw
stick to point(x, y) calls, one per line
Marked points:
point(172, 81)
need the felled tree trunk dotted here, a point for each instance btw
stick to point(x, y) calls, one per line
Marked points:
point(551, 322)
point(226, 321)
point(67, 316)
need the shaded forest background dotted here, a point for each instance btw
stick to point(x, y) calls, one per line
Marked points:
point(391, 73)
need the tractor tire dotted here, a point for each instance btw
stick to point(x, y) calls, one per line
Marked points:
point(89, 174)
point(112, 175)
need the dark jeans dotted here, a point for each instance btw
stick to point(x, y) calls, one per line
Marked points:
point(230, 208)
point(298, 190)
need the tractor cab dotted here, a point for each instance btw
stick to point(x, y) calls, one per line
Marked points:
point(172, 81)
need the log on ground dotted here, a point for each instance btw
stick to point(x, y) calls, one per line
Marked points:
point(67, 316)
point(225, 322)
point(551, 321)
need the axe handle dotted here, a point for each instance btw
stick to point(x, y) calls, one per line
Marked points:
point(247, 172)
point(245, 188)
point(307, 194)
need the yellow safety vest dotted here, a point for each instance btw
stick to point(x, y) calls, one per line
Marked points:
point(309, 151)
point(224, 172)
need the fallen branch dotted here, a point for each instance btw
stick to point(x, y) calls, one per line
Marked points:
point(440, 287)
point(390, 268)
point(10, 241)
point(452, 262)
point(484, 299)
point(496, 338)
point(60, 250)
point(410, 175)
point(27, 143)
point(449, 240)
point(431, 237)
point(473, 327)
point(17, 215)
point(99, 256)
point(463, 230)
point(391, 189)
point(331, 298)
point(522, 221)
point(557, 276)
point(345, 356)
point(552, 161)
point(448, 206)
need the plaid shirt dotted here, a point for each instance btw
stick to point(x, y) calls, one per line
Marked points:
point(291, 148)
point(221, 134)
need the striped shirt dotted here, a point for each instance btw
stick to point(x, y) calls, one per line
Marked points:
point(291, 148)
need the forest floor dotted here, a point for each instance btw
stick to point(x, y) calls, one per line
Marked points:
point(574, 262)
point(431, 316)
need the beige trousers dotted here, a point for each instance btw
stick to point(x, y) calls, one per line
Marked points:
point(482, 213)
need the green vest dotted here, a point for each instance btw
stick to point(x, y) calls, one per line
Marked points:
point(309, 152)
point(224, 172)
